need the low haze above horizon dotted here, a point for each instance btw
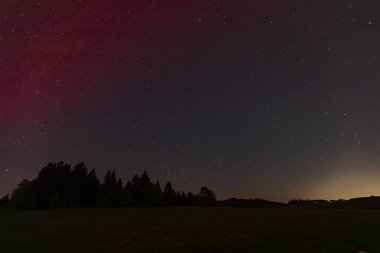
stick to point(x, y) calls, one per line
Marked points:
point(255, 99)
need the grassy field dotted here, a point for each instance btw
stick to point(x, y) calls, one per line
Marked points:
point(189, 230)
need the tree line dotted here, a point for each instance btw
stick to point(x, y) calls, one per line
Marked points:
point(59, 185)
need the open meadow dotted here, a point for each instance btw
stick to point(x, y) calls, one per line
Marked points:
point(189, 230)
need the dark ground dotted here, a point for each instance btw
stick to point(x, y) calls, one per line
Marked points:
point(190, 230)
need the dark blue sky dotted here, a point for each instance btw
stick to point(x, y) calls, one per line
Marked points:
point(276, 99)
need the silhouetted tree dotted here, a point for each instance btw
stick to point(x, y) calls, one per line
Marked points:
point(169, 194)
point(111, 190)
point(75, 188)
point(157, 195)
point(142, 190)
point(207, 196)
point(134, 190)
point(24, 197)
point(110, 180)
point(57, 185)
point(4, 200)
point(191, 200)
point(299, 201)
point(183, 198)
point(126, 195)
point(91, 189)
point(177, 198)
point(146, 190)
point(50, 185)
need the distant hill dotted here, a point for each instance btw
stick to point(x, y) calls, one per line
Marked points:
point(258, 203)
point(372, 202)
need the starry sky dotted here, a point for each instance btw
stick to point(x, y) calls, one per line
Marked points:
point(269, 99)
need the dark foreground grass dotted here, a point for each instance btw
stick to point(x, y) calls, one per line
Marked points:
point(189, 230)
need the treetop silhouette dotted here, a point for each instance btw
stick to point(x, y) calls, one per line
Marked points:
point(59, 185)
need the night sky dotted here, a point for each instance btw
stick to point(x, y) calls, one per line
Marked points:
point(269, 99)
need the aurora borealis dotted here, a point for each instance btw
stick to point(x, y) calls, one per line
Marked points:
point(271, 99)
